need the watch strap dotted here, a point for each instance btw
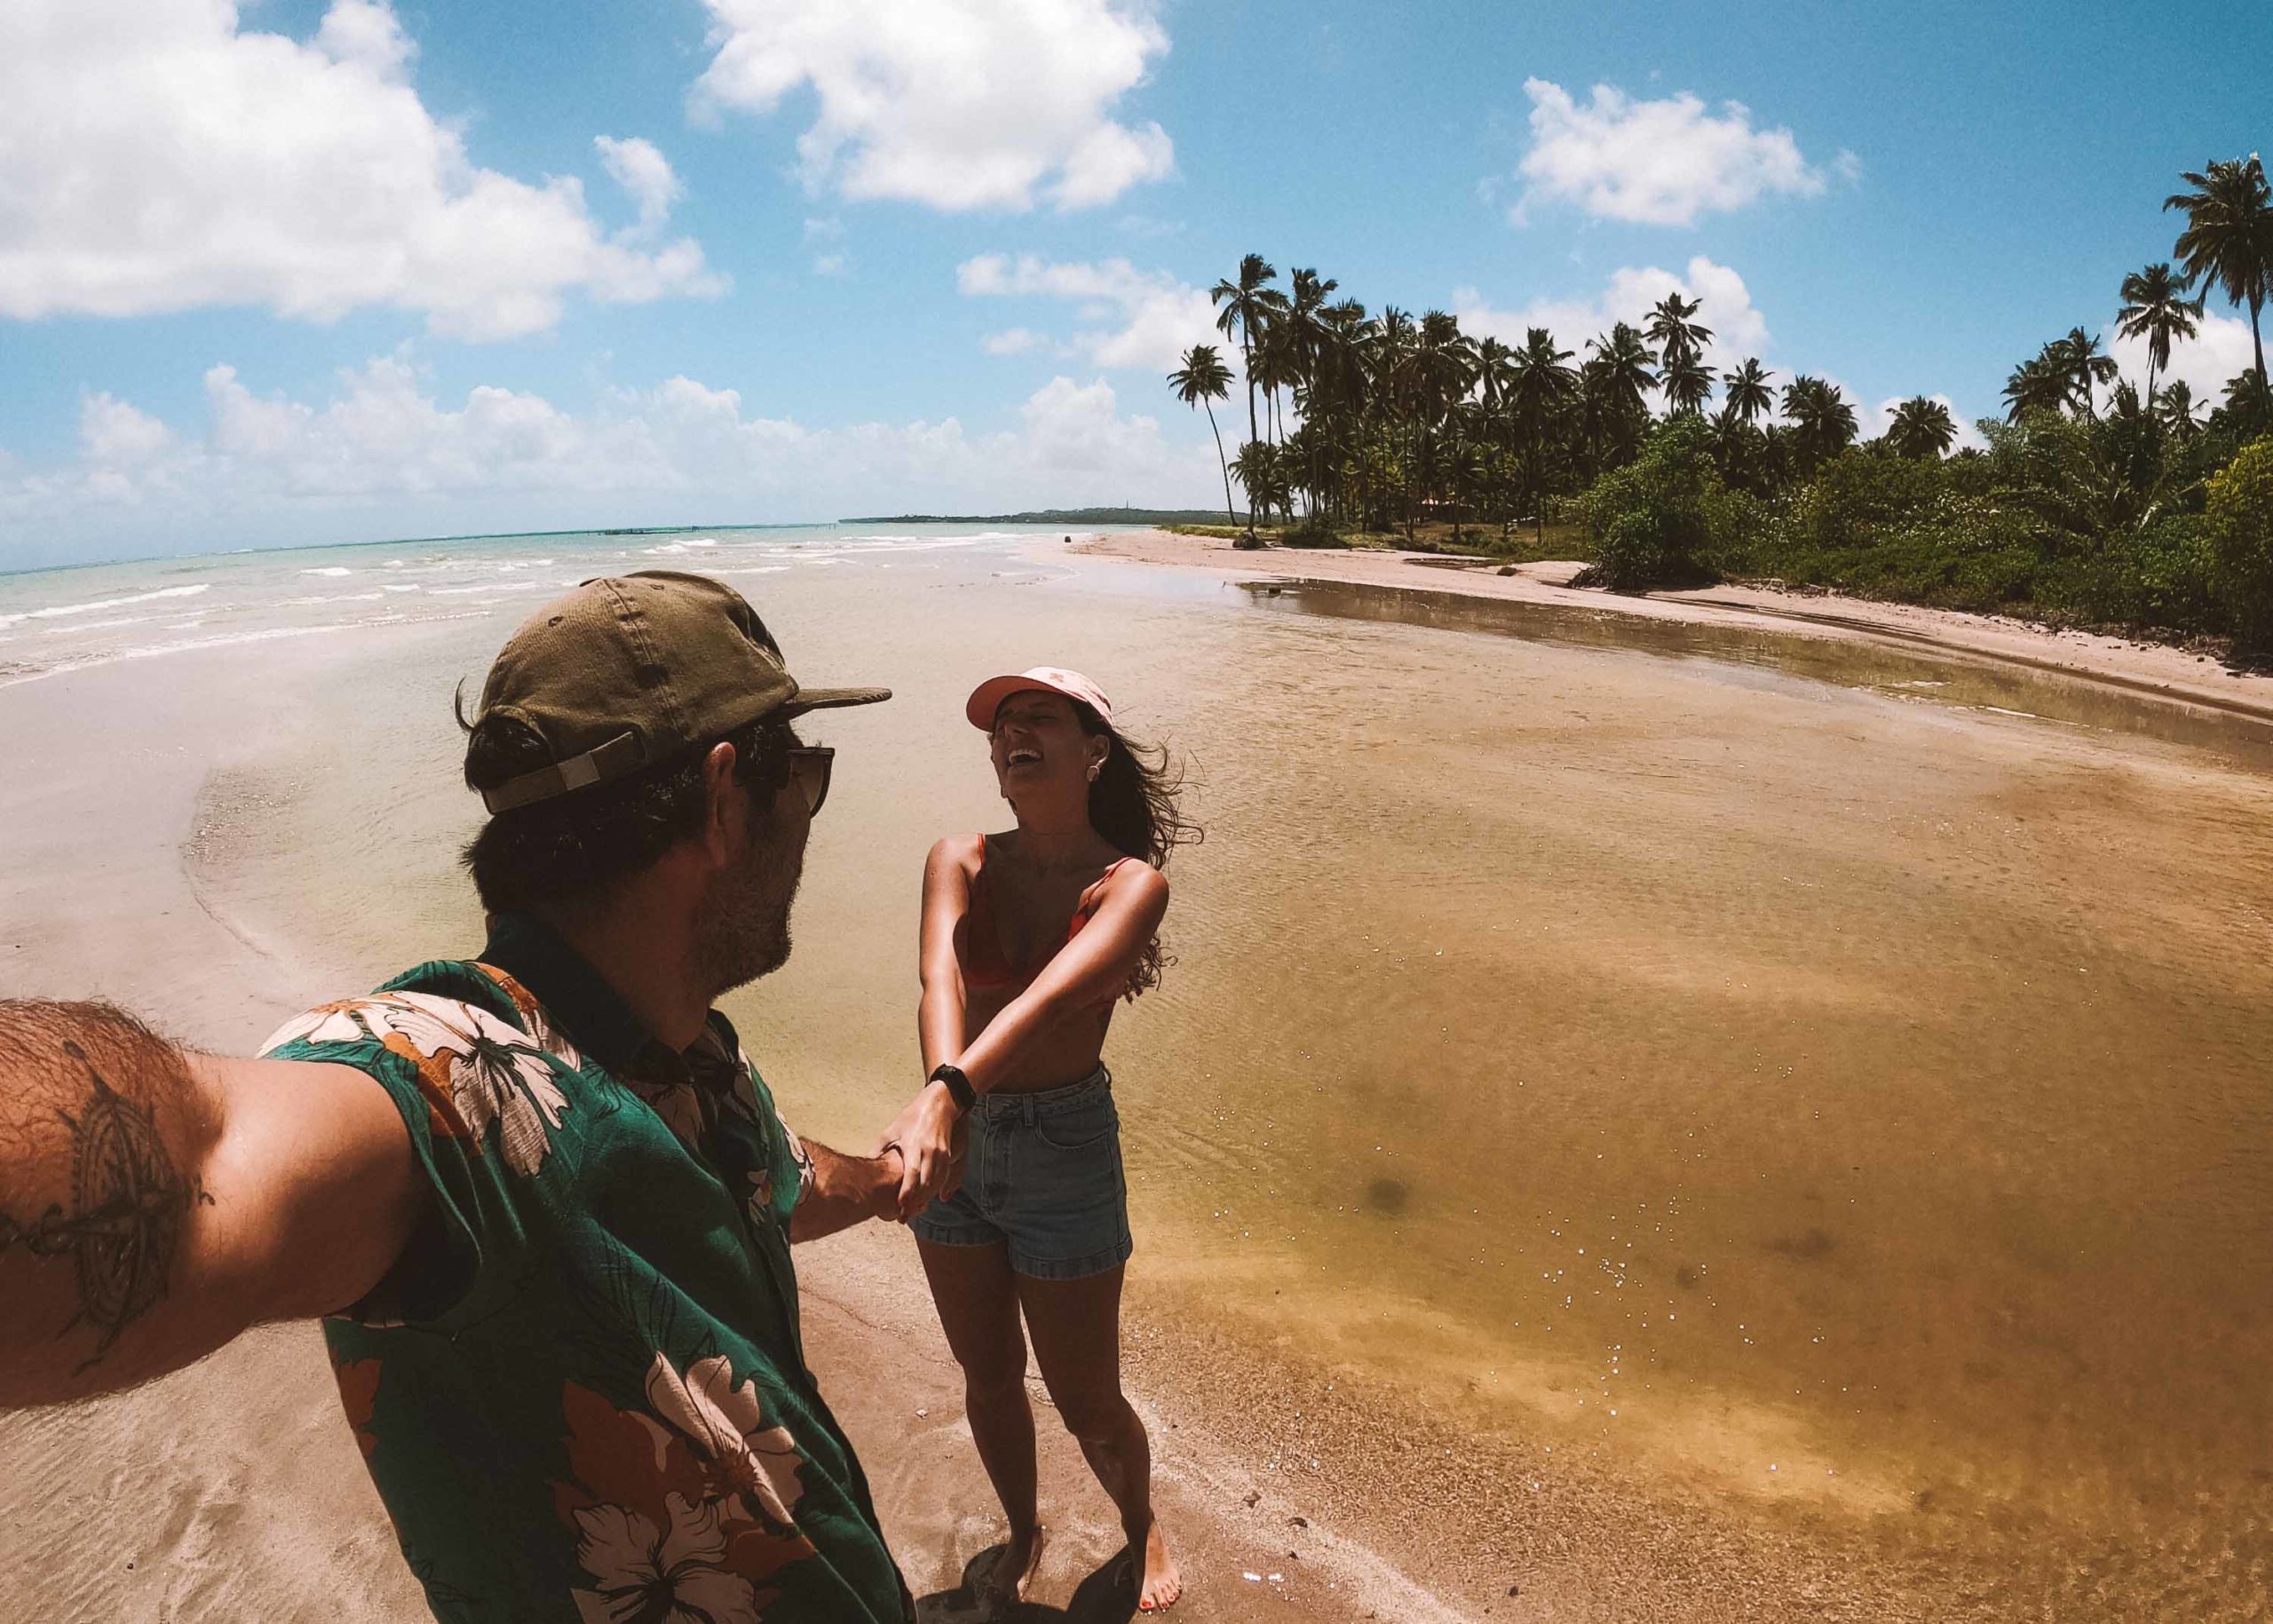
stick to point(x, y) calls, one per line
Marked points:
point(959, 1087)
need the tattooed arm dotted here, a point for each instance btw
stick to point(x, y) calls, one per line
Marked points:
point(155, 1203)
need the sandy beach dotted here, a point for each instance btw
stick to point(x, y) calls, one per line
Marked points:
point(1332, 1445)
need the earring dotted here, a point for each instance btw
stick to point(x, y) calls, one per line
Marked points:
point(1094, 770)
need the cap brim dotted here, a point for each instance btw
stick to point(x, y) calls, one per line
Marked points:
point(988, 698)
point(832, 699)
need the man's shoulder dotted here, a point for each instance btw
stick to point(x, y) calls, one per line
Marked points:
point(425, 1006)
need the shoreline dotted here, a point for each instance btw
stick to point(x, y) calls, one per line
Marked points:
point(2149, 669)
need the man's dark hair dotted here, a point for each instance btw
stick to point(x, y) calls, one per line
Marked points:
point(571, 847)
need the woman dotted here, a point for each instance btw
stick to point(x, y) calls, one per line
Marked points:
point(1029, 938)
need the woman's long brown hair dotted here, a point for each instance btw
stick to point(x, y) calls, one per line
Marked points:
point(1133, 804)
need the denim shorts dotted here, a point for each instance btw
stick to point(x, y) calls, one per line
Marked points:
point(1041, 1174)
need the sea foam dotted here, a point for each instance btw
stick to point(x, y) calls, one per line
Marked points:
point(58, 610)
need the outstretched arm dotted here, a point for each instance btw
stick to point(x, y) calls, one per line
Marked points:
point(155, 1203)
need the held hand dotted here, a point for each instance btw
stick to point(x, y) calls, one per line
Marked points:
point(885, 1202)
point(926, 1133)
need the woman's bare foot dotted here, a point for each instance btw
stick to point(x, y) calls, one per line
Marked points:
point(1161, 1583)
point(1013, 1570)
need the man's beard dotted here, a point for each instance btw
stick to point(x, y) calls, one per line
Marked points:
point(742, 929)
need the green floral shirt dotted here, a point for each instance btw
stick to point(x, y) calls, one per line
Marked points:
point(582, 1390)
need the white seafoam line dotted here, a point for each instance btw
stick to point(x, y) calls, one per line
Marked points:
point(152, 651)
point(59, 611)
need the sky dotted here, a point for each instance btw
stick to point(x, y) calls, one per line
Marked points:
point(298, 271)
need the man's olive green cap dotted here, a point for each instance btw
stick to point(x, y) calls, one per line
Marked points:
point(628, 670)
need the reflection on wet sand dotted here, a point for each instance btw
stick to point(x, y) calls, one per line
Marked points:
point(1875, 659)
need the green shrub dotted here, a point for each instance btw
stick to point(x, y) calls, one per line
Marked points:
point(2237, 513)
point(1651, 523)
point(2164, 578)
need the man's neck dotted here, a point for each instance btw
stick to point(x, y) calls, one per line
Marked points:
point(648, 963)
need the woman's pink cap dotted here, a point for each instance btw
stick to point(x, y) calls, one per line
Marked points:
point(988, 698)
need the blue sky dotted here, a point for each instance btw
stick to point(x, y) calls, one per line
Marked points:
point(322, 270)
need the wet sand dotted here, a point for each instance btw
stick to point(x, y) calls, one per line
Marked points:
point(233, 1490)
point(2145, 668)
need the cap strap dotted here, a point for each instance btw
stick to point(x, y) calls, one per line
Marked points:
point(614, 760)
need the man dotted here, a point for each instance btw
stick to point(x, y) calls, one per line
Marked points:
point(541, 1198)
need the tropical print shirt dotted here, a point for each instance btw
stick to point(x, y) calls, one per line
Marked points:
point(582, 1390)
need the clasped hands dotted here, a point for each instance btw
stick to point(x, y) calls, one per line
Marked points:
point(931, 1137)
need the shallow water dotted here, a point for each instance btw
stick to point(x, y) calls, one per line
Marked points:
point(1729, 1053)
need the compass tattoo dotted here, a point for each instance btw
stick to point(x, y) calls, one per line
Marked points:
point(129, 1206)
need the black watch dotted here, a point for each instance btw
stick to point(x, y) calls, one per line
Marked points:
point(959, 1089)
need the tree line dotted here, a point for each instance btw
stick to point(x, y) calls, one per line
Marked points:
point(2093, 499)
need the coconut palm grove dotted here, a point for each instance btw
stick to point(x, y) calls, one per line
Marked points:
point(2094, 502)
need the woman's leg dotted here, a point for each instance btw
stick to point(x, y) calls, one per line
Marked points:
point(1076, 1330)
point(977, 1296)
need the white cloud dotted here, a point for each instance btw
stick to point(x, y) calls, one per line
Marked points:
point(1662, 162)
point(383, 454)
point(1140, 319)
point(154, 157)
point(646, 176)
point(1725, 306)
point(957, 103)
point(1015, 341)
point(2219, 351)
point(115, 434)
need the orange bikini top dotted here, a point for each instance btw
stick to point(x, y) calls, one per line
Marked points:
point(985, 964)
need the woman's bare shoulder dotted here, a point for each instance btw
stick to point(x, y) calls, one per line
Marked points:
point(1136, 877)
point(963, 852)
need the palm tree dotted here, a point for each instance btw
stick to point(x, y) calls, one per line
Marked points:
point(1822, 423)
point(2228, 237)
point(2247, 409)
point(1248, 306)
point(2155, 308)
point(2078, 361)
point(1624, 362)
point(1388, 346)
point(1202, 380)
point(1444, 365)
point(1277, 367)
point(1921, 428)
point(1677, 336)
point(1538, 386)
point(1744, 395)
point(1494, 374)
point(1688, 382)
point(1304, 316)
point(1262, 471)
point(2036, 386)
point(1610, 387)
point(2176, 409)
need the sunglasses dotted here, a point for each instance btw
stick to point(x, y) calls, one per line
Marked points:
point(809, 766)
